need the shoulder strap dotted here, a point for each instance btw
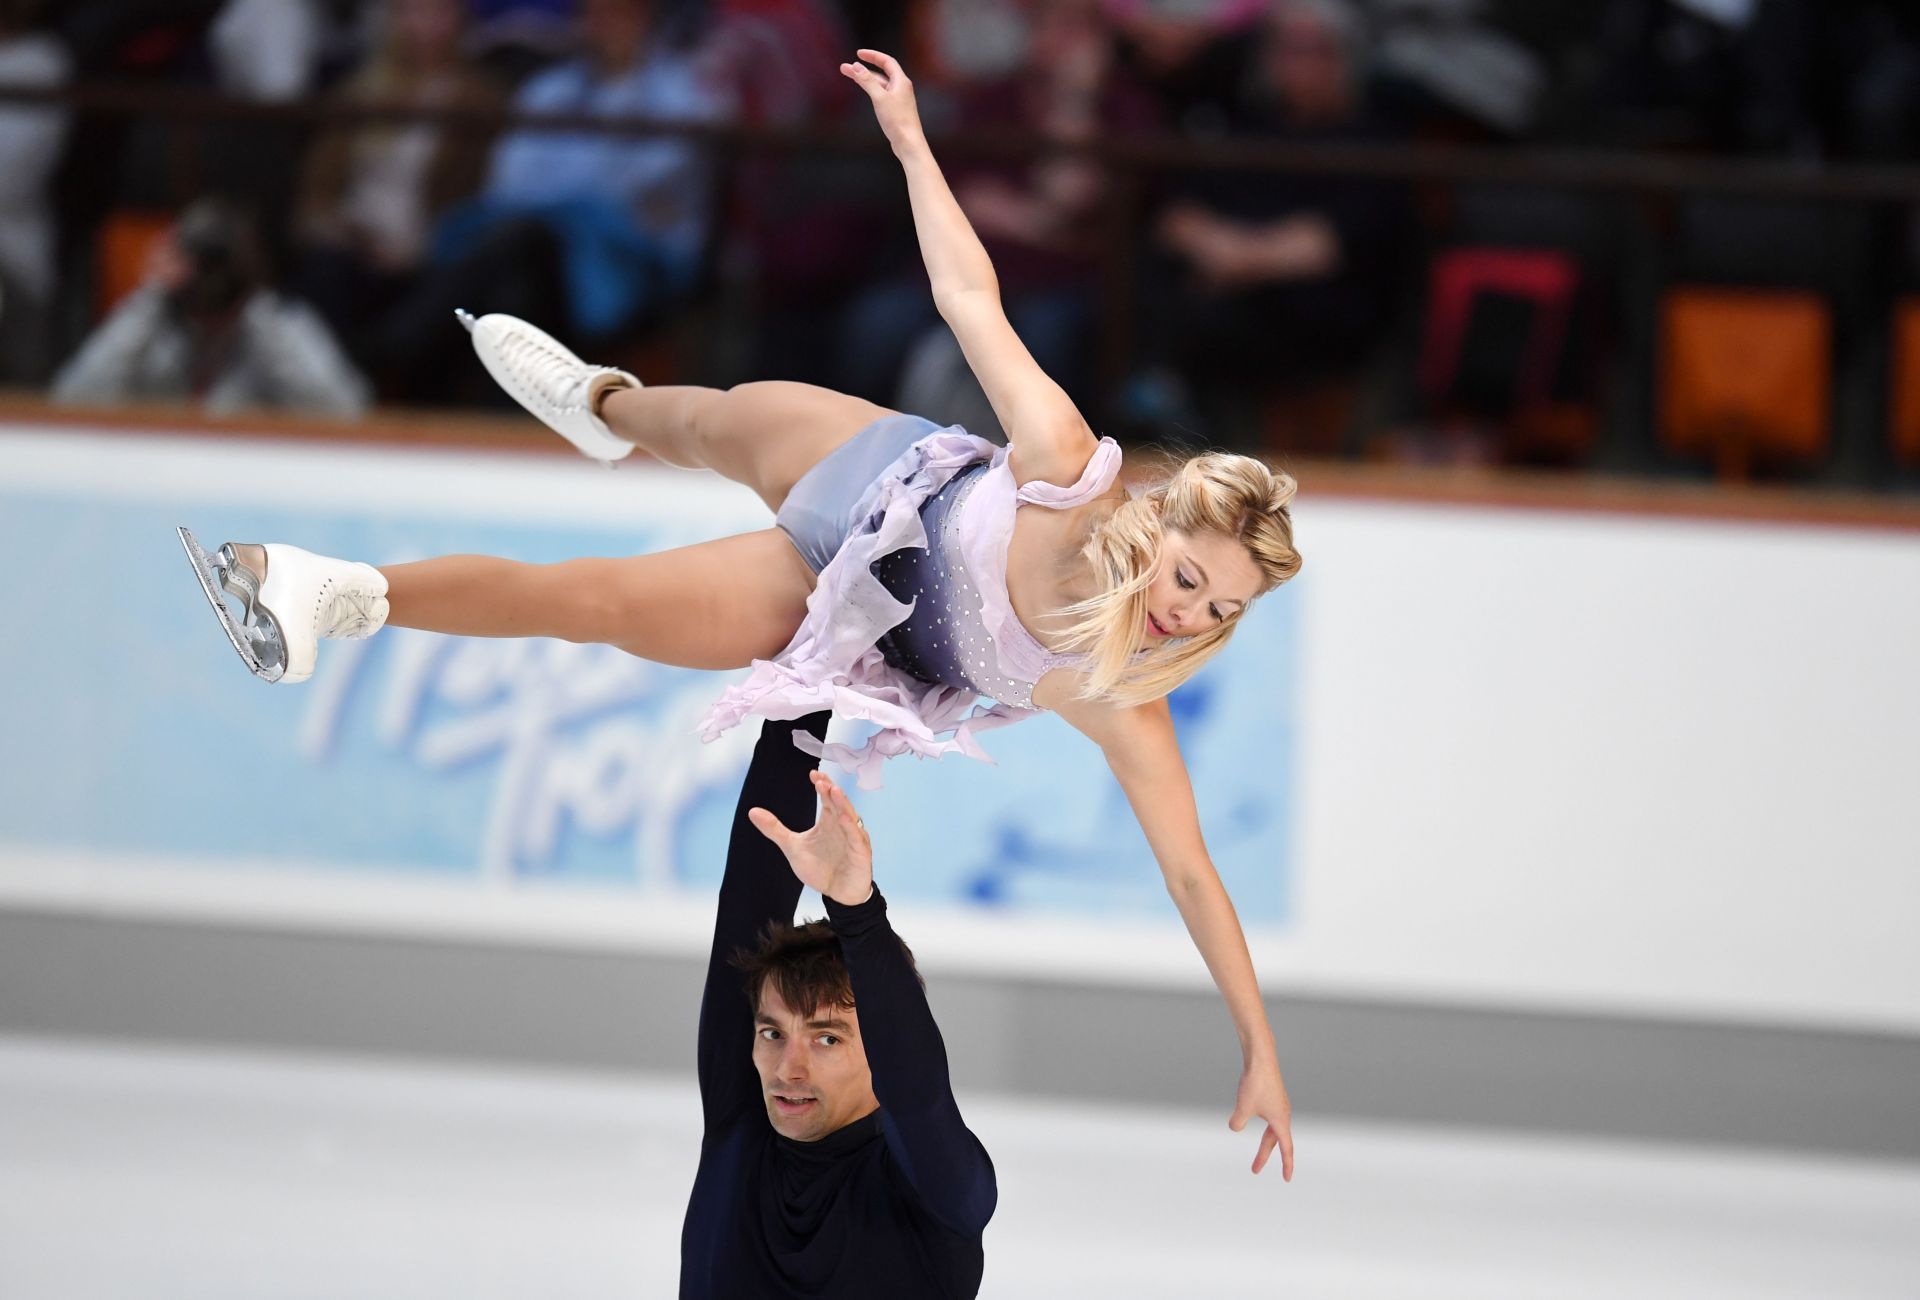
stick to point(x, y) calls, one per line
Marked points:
point(1102, 468)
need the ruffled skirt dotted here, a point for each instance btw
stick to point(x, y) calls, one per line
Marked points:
point(842, 516)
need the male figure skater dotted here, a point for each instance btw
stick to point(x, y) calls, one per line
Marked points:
point(834, 1161)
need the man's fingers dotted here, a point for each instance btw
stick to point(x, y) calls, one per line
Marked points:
point(844, 805)
point(1286, 1155)
point(770, 826)
point(850, 824)
point(1238, 1121)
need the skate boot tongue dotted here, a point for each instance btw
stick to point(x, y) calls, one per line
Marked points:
point(553, 384)
point(560, 381)
point(353, 613)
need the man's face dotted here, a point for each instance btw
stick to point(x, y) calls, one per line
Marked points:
point(813, 1068)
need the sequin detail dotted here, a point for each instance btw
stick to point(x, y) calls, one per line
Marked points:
point(945, 639)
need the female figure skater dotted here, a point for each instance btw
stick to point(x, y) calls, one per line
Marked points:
point(903, 579)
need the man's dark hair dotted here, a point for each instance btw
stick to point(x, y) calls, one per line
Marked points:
point(804, 965)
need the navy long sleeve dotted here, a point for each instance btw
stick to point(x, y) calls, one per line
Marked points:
point(936, 1150)
point(758, 887)
point(890, 1205)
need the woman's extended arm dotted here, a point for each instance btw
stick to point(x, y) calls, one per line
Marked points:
point(1140, 747)
point(1050, 437)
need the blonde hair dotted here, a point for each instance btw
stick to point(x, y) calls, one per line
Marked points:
point(1236, 496)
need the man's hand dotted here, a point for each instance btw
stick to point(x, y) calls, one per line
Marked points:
point(835, 856)
point(1263, 1095)
point(892, 96)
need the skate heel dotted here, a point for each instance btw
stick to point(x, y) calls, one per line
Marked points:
point(243, 569)
point(240, 570)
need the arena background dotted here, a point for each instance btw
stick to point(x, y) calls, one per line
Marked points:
point(1567, 797)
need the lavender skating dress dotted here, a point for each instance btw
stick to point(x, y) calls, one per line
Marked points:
point(909, 625)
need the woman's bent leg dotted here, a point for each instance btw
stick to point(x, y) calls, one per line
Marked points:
point(765, 434)
point(718, 605)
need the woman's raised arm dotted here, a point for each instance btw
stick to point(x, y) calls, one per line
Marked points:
point(1050, 437)
point(1140, 747)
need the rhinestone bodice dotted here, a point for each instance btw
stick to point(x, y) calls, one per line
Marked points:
point(945, 639)
point(910, 623)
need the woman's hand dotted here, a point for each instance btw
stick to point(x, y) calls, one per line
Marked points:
point(834, 856)
point(1263, 1095)
point(892, 96)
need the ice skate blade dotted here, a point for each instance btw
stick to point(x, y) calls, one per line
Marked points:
point(259, 643)
point(465, 317)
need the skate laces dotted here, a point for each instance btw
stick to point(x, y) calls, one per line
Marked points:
point(558, 380)
point(349, 613)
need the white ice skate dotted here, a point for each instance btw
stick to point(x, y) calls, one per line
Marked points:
point(541, 374)
point(290, 598)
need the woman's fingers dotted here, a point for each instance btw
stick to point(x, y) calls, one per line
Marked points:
point(863, 77)
point(885, 62)
point(1268, 1141)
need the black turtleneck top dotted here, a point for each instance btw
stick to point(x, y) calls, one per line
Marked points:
point(890, 1205)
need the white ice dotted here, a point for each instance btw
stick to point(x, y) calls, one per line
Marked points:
point(139, 1172)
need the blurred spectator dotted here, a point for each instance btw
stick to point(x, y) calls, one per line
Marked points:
point(133, 38)
point(1870, 72)
point(119, 162)
point(961, 42)
point(1266, 277)
point(631, 213)
point(30, 141)
point(267, 49)
point(1039, 220)
point(777, 62)
point(1192, 56)
point(1452, 64)
point(590, 235)
point(204, 327)
point(802, 230)
point(516, 38)
point(371, 194)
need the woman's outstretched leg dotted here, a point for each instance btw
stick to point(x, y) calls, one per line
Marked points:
point(765, 435)
point(718, 604)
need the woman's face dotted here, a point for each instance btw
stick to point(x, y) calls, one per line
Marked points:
point(1202, 580)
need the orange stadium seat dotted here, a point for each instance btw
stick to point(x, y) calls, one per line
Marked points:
point(1745, 374)
point(1904, 407)
point(121, 249)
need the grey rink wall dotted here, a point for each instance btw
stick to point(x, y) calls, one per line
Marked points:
point(72, 975)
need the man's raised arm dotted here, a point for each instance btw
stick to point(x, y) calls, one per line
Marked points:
point(942, 1158)
point(758, 887)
